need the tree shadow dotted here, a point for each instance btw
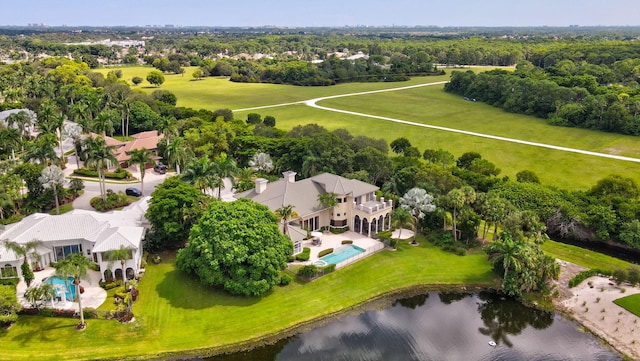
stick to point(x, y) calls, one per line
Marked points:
point(42, 333)
point(184, 291)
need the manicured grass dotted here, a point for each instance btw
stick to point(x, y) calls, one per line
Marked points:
point(68, 207)
point(176, 313)
point(430, 105)
point(630, 303)
point(218, 92)
point(583, 257)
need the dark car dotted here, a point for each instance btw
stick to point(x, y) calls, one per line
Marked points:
point(134, 192)
point(160, 168)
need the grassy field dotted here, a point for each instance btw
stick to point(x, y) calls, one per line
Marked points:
point(630, 303)
point(176, 313)
point(428, 105)
point(583, 257)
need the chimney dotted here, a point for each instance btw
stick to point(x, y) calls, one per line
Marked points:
point(289, 176)
point(261, 185)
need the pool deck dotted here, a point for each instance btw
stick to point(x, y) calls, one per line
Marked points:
point(93, 295)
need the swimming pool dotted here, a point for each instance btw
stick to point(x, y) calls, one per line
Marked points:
point(343, 253)
point(68, 288)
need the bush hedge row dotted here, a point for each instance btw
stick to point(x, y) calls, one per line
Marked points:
point(304, 256)
point(325, 252)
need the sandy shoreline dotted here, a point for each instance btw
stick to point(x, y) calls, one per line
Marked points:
point(593, 307)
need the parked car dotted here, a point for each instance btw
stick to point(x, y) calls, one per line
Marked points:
point(134, 192)
point(160, 168)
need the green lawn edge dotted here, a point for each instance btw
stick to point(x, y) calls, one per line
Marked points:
point(177, 316)
point(630, 303)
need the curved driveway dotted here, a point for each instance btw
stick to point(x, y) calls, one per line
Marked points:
point(313, 103)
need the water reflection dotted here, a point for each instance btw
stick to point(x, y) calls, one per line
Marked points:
point(503, 317)
point(447, 327)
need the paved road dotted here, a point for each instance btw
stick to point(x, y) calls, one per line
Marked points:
point(92, 187)
point(313, 103)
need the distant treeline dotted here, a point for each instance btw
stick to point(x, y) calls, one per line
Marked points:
point(568, 93)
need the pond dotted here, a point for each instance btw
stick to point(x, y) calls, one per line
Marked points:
point(440, 326)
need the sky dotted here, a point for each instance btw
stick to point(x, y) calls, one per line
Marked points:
point(321, 12)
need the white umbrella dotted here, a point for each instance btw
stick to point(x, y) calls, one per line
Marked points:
point(316, 234)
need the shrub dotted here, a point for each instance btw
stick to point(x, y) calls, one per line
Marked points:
point(347, 241)
point(285, 279)
point(325, 252)
point(393, 243)
point(308, 271)
point(94, 266)
point(580, 277)
point(620, 276)
point(329, 268)
point(117, 174)
point(304, 256)
point(9, 281)
point(114, 200)
point(90, 312)
point(110, 285)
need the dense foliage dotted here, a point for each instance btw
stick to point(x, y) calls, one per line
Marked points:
point(236, 246)
point(174, 207)
point(574, 94)
point(9, 305)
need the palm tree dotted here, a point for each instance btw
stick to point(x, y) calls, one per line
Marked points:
point(25, 250)
point(142, 157)
point(244, 178)
point(506, 254)
point(198, 173)
point(286, 213)
point(261, 162)
point(167, 126)
point(10, 139)
point(98, 154)
point(401, 218)
point(74, 131)
point(103, 122)
point(42, 150)
point(178, 153)
point(22, 120)
point(418, 202)
point(5, 200)
point(76, 266)
point(225, 167)
point(50, 178)
point(121, 254)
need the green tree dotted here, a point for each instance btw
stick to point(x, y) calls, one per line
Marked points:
point(155, 78)
point(527, 176)
point(9, 305)
point(401, 218)
point(121, 254)
point(177, 154)
point(630, 233)
point(506, 255)
point(98, 154)
point(136, 80)
point(285, 214)
point(400, 145)
point(173, 209)
point(198, 74)
point(199, 172)
point(236, 246)
point(142, 157)
point(269, 121)
point(25, 250)
point(224, 168)
point(51, 177)
point(104, 121)
point(76, 266)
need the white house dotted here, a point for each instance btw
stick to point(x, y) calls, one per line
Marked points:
point(357, 207)
point(79, 231)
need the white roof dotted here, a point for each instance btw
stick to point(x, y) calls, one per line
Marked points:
point(108, 231)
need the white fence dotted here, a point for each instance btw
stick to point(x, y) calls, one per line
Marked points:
point(367, 252)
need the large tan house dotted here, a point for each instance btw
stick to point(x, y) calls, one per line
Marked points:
point(148, 140)
point(357, 207)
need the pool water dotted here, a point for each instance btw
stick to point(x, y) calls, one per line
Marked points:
point(343, 253)
point(62, 287)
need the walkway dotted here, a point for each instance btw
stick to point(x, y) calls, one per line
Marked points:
point(313, 103)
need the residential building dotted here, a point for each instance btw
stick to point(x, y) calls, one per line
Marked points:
point(357, 208)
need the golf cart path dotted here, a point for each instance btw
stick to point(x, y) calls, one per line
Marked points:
point(313, 103)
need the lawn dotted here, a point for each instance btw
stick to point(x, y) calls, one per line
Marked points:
point(583, 257)
point(630, 303)
point(429, 105)
point(175, 313)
